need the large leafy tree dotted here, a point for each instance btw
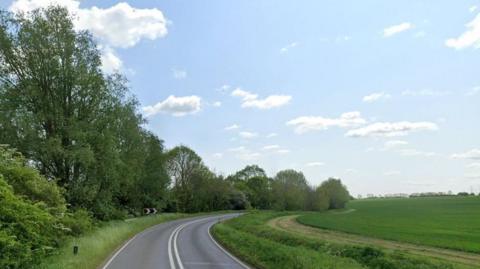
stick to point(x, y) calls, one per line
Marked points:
point(290, 190)
point(74, 123)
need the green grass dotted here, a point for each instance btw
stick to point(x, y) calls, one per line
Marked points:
point(95, 247)
point(447, 222)
point(258, 244)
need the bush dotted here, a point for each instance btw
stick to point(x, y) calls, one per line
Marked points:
point(78, 222)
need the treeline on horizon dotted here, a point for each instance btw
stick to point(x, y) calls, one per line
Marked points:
point(73, 150)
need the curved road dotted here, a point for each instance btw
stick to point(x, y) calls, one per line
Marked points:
point(178, 244)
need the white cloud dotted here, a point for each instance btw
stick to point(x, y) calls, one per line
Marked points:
point(223, 89)
point(469, 38)
point(314, 164)
point(414, 152)
point(217, 104)
point(473, 91)
point(393, 144)
point(270, 135)
point(395, 29)
point(376, 97)
point(391, 173)
point(117, 26)
point(310, 123)
point(473, 154)
point(237, 149)
point(425, 92)
point(420, 34)
point(120, 25)
point(390, 129)
point(283, 151)
point(288, 47)
point(231, 127)
point(179, 74)
point(248, 135)
point(473, 165)
point(245, 95)
point(218, 155)
point(251, 100)
point(271, 147)
point(176, 106)
point(110, 61)
point(472, 8)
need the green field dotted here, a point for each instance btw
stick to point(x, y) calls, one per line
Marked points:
point(254, 241)
point(447, 222)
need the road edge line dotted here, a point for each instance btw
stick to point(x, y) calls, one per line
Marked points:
point(224, 250)
point(118, 252)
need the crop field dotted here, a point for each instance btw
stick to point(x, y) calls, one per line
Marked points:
point(254, 239)
point(446, 222)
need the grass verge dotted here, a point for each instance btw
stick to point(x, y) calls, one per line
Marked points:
point(252, 239)
point(95, 247)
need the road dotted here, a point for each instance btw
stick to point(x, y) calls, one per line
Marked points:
point(179, 244)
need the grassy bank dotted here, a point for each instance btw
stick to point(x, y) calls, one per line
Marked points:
point(95, 247)
point(446, 222)
point(252, 239)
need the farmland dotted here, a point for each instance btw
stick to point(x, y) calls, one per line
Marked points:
point(446, 222)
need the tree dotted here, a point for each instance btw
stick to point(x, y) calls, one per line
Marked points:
point(290, 190)
point(78, 126)
point(182, 165)
point(254, 183)
point(336, 192)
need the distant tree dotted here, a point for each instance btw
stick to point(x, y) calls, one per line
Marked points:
point(335, 192)
point(254, 183)
point(290, 190)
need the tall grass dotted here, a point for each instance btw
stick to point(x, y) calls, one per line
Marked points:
point(95, 247)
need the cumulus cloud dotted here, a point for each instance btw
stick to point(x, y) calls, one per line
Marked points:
point(469, 38)
point(247, 135)
point(473, 154)
point(472, 8)
point(376, 97)
point(179, 73)
point(473, 91)
point(217, 104)
point(395, 29)
point(391, 129)
point(270, 135)
point(311, 123)
point(425, 92)
point(473, 165)
point(391, 173)
point(232, 127)
point(393, 144)
point(110, 61)
point(271, 147)
point(251, 100)
point(120, 25)
point(314, 164)
point(414, 152)
point(288, 47)
point(176, 106)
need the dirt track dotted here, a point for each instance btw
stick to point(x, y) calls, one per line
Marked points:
point(289, 224)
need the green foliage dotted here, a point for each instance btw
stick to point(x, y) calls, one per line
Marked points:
point(27, 231)
point(290, 190)
point(336, 193)
point(447, 222)
point(280, 249)
point(79, 127)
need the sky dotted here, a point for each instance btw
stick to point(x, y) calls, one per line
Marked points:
point(382, 94)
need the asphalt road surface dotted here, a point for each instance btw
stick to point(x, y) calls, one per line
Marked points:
point(179, 244)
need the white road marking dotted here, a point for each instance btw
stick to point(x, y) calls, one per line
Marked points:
point(224, 250)
point(118, 252)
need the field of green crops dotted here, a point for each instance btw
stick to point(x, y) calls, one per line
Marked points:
point(447, 222)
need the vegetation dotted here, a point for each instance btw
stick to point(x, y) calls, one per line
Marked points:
point(281, 249)
point(76, 154)
point(94, 247)
point(447, 222)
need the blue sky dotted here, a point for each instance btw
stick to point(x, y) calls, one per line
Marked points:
point(383, 94)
